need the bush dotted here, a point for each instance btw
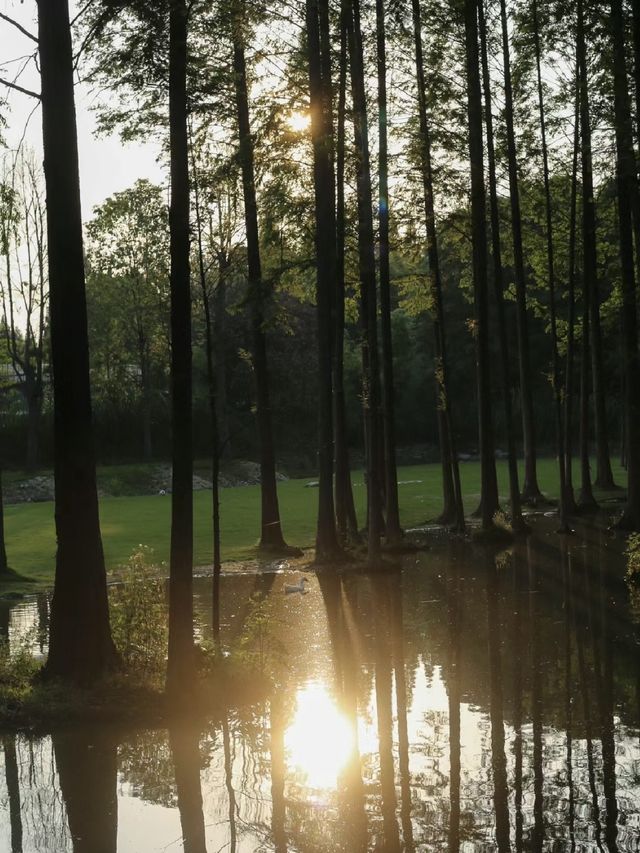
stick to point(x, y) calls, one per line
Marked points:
point(139, 616)
point(17, 668)
point(633, 558)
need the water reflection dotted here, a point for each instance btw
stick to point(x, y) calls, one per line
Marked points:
point(473, 702)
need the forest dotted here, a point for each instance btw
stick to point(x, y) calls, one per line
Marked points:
point(390, 262)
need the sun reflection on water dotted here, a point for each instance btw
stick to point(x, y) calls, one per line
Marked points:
point(319, 741)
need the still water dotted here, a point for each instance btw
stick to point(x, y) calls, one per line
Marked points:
point(472, 702)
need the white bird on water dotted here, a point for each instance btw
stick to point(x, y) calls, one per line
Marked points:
point(297, 587)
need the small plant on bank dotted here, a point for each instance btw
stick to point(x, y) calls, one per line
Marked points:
point(633, 558)
point(18, 668)
point(139, 616)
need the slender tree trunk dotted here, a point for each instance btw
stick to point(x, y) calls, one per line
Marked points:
point(489, 491)
point(453, 510)
point(368, 296)
point(627, 184)
point(569, 380)
point(180, 664)
point(530, 490)
point(555, 358)
point(586, 499)
point(325, 231)
point(604, 476)
point(347, 522)
point(147, 444)
point(517, 520)
point(393, 531)
point(80, 647)
point(271, 537)
point(220, 334)
point(212, 395)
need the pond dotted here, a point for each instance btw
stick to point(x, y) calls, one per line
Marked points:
point(471, 702)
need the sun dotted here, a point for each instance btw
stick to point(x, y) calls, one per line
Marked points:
point(319, 741)
point(298, 121)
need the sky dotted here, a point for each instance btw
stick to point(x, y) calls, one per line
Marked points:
point(106, 164)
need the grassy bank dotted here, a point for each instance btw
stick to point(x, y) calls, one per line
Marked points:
point(131, 521)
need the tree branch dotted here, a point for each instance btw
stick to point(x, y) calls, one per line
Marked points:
point(24, 91)
point(19, 27)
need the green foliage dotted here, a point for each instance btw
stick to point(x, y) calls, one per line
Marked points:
point(18, 667)
point(139, 616)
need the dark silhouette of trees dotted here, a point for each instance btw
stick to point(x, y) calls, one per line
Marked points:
point(180, 663)
point(80, 646)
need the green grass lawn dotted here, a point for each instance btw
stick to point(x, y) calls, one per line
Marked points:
point(131, 521)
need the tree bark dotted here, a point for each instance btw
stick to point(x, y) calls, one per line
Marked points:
point(271, 537)
point(327, 548)
point(368, 295)
point(627, 185)
point(517, 520)
point(186, 764)
point(530, 490)
point(346, 519)
point(393, 531)
point(489, 491)
point(555, 359)
point(604, 475)
point(453, 510)
point(181, 662)
point(80, 648)
point(569, 380)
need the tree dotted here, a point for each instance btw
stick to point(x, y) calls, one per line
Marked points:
point(181, 660)
point(80, 647)
point(628, 195)
point(489, 490)
point(517, 520)
point(271, 537)
point(367, 270)
point(317, 20)
point(530, 489)
point(453, 510)
point(393, 531)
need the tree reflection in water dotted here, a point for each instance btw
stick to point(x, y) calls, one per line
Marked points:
point(469, 703)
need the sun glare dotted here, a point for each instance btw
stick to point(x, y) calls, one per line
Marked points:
point(299, 121)
point(319, 741)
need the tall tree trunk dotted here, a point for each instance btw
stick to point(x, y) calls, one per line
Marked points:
point(555, 358)
point(34, 410)
point(346, 519)
point(145, 380)
point(604, 476)
point(368, 295)
point(180, 663)
point(325, 233)
point(571, 296)
point(80, 647)
point(453, 510)
point(530, 490)
point(271, 537)
point(212, 395)
point(489, 491)
point(393, 531)
point(517, 520)
point(627, 184)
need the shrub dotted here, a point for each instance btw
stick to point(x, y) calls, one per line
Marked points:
point(633, 558)
point(139, 615)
